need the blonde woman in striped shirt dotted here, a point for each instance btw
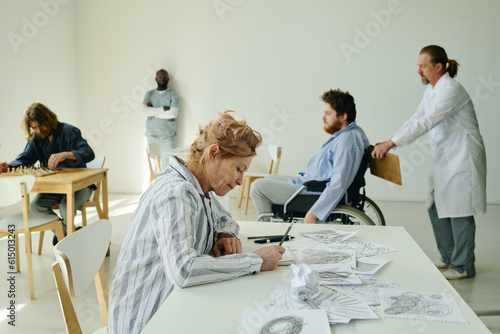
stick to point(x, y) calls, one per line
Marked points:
point(178, 222)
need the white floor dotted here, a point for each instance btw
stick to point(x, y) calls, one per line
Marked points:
point(43, 315)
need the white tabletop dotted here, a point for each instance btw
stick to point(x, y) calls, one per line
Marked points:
point(218, 307)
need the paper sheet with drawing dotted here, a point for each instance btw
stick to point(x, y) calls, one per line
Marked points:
point(308, 251)
point(329, 235)
point(336, 274)
point(260, 321)
point(413, 305)
point(369, 265)
point(362, 247)
point(369, 291)
point(340, 308)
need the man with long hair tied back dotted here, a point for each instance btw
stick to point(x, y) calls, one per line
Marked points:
point(458, 176)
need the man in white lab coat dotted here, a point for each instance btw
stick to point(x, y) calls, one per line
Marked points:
point(457, 180)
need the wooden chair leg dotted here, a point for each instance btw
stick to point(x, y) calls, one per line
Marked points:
point(102, 295)
point(30, 248)
point(241, 192)
point(247, 196)
point(84, 217)
point(59, 231)
point(109, 250)
point(100, 214)
point(30, 267)
point(71, 320)
point(40, 243)
point(18, 260)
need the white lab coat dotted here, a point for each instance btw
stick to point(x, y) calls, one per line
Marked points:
point(457, 182)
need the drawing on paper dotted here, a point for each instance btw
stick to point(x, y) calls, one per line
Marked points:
point(368, 292)
point(414, 305)
point(336, 274)
point(284, 325)
point(308, 251)
point(369, 265)
point(417, 303)
point(314, 256)
point(290, 321)
point(329, 236)
point(364, 267)
point(363, 247)
point(340, 308)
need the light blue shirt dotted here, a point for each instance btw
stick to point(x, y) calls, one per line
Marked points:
point(337, 161)
point(158, 126)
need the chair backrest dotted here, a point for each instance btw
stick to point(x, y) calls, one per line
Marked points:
point(153, 151)
point(81, 253)
point(275, 153)
point(10, 188)
point(79, 261)
point(98, 162)
point(359, 179)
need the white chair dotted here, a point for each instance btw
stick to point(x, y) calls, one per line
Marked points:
point(153, 150)
point(13, 190)
point(98, 162)
point(275, 153)
point(79, 261)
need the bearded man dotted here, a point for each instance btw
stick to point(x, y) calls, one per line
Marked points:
point(337, 162)
point(457, 181)
point(54, 145)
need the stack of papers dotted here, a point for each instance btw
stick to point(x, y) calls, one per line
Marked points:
point(348, 288)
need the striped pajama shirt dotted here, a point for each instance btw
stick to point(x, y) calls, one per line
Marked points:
point(168, 240)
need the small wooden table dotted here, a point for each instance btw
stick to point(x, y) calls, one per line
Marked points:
point(69, 180)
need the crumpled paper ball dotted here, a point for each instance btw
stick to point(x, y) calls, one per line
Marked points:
point(305, 281)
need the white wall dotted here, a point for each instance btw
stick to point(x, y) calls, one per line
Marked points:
point(37, 64)
point(271, 61)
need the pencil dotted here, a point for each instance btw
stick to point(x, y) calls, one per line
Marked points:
point(286, 233)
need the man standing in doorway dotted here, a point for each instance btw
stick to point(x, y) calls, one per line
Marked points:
point(161, 105)
point(458, 176)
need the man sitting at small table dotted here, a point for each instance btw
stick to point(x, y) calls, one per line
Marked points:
point(53, 144)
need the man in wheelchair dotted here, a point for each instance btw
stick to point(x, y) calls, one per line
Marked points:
point(337, 163)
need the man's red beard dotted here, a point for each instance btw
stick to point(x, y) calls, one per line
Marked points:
point(331, 128)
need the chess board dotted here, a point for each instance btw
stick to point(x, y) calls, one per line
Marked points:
point(37, 172)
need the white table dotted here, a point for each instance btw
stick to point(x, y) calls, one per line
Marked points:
point(218, 307)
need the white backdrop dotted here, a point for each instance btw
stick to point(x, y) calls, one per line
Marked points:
point(92, 61)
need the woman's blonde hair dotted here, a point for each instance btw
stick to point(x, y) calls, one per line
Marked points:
point(234, 138)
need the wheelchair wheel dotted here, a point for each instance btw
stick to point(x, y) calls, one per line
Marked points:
point(373, 211)
point(347, 215)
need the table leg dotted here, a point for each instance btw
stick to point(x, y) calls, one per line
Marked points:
point(70, 214)
point(104, 191)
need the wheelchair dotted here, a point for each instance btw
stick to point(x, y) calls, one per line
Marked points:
point(355, 208)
